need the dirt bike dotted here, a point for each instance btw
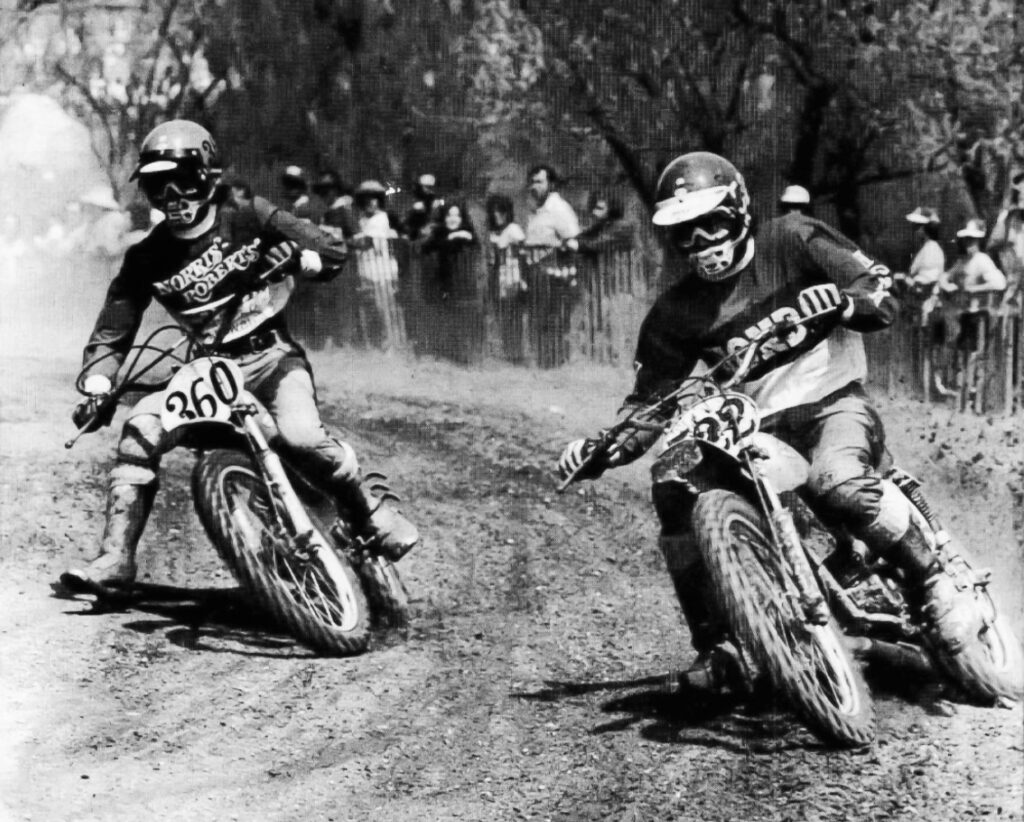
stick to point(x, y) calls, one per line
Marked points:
point(802, 598)
point(278, 533)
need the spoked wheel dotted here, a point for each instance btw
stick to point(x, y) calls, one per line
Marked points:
point(310, 589)
point(808, 663)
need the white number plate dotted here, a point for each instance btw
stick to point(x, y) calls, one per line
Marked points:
point(202, 391)
point(723, 420)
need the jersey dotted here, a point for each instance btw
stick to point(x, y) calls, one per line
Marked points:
point(800, 266)
point(204, 283)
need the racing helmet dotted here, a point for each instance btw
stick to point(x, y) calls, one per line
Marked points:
point(702, 208)
point(178, 170)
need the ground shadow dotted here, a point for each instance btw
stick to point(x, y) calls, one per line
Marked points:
point(212, 620)
point(741, 724)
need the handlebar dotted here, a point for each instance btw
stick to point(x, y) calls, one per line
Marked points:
point(131, 379)
point(643, 418)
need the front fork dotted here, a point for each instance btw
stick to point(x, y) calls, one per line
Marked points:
point(304, 531)
point(787, 538)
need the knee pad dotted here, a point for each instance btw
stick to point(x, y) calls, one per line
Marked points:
point(343, 457)
point(138, 454)
point(892, 520)
point(856, 502)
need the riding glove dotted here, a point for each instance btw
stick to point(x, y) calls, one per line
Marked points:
point(577, 453)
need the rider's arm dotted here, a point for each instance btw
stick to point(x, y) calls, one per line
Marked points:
point(662, 361)
point(330, 251)
point(117, 324)
point(866, 283)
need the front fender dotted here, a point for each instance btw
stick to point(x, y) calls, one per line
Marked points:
point(688, 469)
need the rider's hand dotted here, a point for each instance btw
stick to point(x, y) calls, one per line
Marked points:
point(97, 389)
point(575, 454)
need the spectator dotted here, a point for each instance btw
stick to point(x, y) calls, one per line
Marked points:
point(294, 189)
point(506, 239)
point(795, 200)
point(337, 217)
point(426, 208)
point(457, 311)
point(1006, 242)
point(922, 296)
point(552, 272)
point(379, 317)
point(978, 285)
point(325, 306)
point(609, 231)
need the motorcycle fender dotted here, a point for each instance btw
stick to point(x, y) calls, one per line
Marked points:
point(784, 468)
point(699, 466)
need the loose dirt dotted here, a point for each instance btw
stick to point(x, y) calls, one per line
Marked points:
point(532, 683)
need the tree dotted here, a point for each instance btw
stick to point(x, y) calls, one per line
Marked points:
point(120, 67)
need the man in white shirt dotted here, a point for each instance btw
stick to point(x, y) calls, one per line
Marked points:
point(551, 223)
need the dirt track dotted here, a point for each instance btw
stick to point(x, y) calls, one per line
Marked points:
point(531, 684)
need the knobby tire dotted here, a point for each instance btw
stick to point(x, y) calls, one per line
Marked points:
point(808, 663)
point(317, 598)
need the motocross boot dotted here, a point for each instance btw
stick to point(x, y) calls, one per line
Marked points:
point(945, 598)
point(128, 508)
point(721, 669)
point(372, 505)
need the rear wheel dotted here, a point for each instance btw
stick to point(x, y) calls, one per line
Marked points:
point(991, 665)
point(809, 663)
point(310, 589)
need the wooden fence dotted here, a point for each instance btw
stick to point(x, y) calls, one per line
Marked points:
point(543, 308)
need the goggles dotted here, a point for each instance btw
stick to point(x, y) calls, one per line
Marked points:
point(708, 230)
point(182, 182)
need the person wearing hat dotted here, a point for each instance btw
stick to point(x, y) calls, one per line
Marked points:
point(921, 281)
point(795, 200)
point(294, 190)
point(930, 260)
point(425, 212)
point(379, 320)
point(977, 284)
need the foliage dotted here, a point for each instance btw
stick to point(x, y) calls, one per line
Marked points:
point(966, 114)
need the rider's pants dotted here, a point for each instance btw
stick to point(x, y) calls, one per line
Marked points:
point(280, 379)
point(842, 437)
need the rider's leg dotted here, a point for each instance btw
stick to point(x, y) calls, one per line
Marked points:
point(289, 395)
point(133, 486)
point(845, 443)
point(718, 664)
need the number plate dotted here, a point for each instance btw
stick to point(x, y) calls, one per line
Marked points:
point(723, 420)
point(202, 391)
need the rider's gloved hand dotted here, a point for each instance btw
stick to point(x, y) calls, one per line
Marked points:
point(97, 389)
point(575, 454)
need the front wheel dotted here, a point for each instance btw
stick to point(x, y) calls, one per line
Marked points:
point(809, 663)
point(309, 588)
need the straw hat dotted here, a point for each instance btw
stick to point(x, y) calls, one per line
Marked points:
point(975, 229)
point(922, 215)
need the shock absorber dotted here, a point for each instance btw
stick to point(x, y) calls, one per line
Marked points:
point(911, 489)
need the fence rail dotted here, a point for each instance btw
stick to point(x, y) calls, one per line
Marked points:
point(543, 308)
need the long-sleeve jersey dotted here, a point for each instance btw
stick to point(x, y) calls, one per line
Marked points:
point(197, 280)
point(800, 265)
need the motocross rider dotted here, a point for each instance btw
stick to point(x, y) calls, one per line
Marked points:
point(808, 383)
point(203, 264)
